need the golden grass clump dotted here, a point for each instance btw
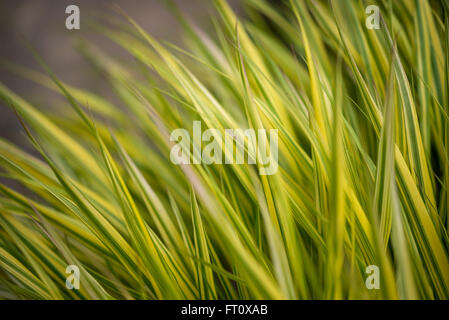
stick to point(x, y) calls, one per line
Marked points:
point(363, 177)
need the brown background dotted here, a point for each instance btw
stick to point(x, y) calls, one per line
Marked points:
point(42, 23)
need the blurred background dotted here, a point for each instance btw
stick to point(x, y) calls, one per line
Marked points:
point(42, 24)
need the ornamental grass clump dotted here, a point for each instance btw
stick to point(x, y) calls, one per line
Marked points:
point(356, 209)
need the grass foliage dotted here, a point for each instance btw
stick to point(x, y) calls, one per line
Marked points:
point(363, 175)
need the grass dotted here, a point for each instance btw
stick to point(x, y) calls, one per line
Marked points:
point(363, 175)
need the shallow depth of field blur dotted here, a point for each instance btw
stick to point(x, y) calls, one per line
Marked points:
point(363, 122)
point(42, 24)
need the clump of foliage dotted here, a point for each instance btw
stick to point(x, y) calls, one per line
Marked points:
point(363, 175)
